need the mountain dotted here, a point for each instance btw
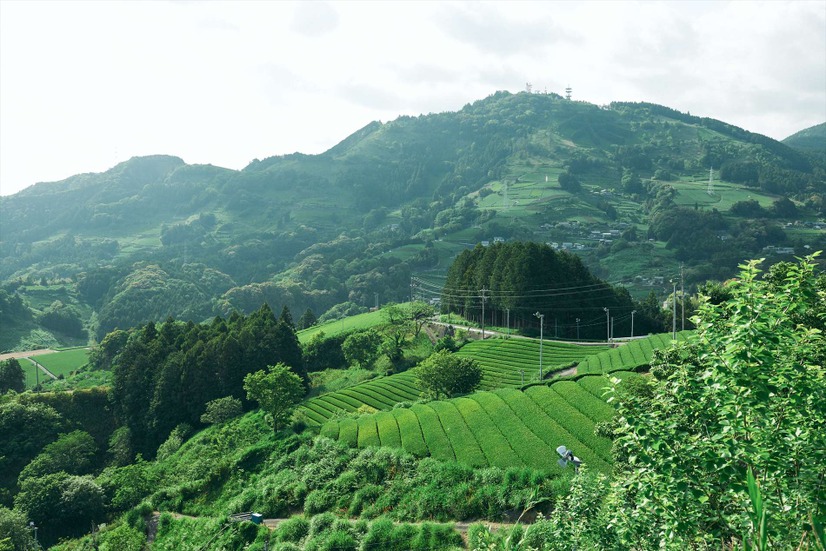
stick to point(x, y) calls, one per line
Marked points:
point(625, 186)
point(811, 139)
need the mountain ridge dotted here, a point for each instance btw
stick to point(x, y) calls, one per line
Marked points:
point(406, 196)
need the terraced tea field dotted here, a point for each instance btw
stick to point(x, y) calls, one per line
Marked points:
point(501, 361)
point(504, 428)
point(504, 360)
point(381, 394)
point(628, 356)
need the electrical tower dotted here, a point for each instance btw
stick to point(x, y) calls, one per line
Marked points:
point(710, 190)
point(568, 91)
point(528, 87)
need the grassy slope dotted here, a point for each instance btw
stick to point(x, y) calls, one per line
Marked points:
point(352, 323)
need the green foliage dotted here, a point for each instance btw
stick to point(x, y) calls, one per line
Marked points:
point(746, 395)
point(446, 374)
point(517, 273)
point(174, 441)
point(293, 529)
point(220, 410)
point(14, 527)
point(361, 348)
point(63, 318)
point(18, 444)
point(277, 392)
point(165, 376)
point(11, 376)
point(71, 453)
point(60, 504)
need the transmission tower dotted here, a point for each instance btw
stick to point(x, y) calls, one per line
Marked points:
point(710, 190)
point(568, 91)
point(528, 87)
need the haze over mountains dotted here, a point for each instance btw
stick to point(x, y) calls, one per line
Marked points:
point(635, 189)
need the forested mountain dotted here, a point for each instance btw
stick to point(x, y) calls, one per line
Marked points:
point(627, 187)
point(809, 139)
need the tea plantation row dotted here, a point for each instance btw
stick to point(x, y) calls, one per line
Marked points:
point(502, 428)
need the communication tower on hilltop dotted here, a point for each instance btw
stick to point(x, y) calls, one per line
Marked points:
point(528, 87)
point(568, 91)
point(710, 189)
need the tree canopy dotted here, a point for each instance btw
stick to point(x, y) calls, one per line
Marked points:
point(747, 394)
point(444, 374)
point(276, 390)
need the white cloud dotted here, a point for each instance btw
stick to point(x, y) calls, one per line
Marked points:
point(84, 85)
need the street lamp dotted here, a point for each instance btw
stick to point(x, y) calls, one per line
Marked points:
point(541, 330)
point(608, 324)
point(33, 528)
point(632, 322)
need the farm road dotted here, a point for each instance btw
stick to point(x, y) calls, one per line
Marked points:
point(18, 355)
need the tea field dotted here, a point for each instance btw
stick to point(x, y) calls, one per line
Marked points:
point(503, 362)
point(502, 428)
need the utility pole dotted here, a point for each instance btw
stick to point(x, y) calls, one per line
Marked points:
point(612, 328)
point(632, 322)
point(577, 329)
point(508, 317)
point(484, 299)
point(608, 324)
point(682, 296)
point(541, 328)
point(674, 311)
point(556, 328)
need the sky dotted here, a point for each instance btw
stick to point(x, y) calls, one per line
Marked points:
point(86, 85)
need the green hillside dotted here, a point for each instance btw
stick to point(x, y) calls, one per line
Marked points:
point(811, 139)
point(623, 186)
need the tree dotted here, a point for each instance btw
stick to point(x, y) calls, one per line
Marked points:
point(307, 319)
point(784, 208)
point(71, 453)
point(445, 374)
point(277, 391)
point(569, 182)
point(420, 313)
point(631, 183)
point(14, 532)
point(362, 348)
point(221, 409)
point(746, 394)
point(12, 376)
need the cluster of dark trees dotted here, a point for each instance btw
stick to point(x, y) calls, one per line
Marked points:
point(518, 280)
point(165, 376)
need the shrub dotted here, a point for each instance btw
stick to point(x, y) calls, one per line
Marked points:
point(320, 524)
point(293, 529)
point(221, 410)
point(362, 497)
point(318, 501)
point(379, 536)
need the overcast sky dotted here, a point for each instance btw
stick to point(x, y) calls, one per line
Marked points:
point(84, 86)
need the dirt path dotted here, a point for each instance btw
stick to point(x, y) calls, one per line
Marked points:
point(18, 355)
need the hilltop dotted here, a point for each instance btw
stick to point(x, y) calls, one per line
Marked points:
point(625, 186)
